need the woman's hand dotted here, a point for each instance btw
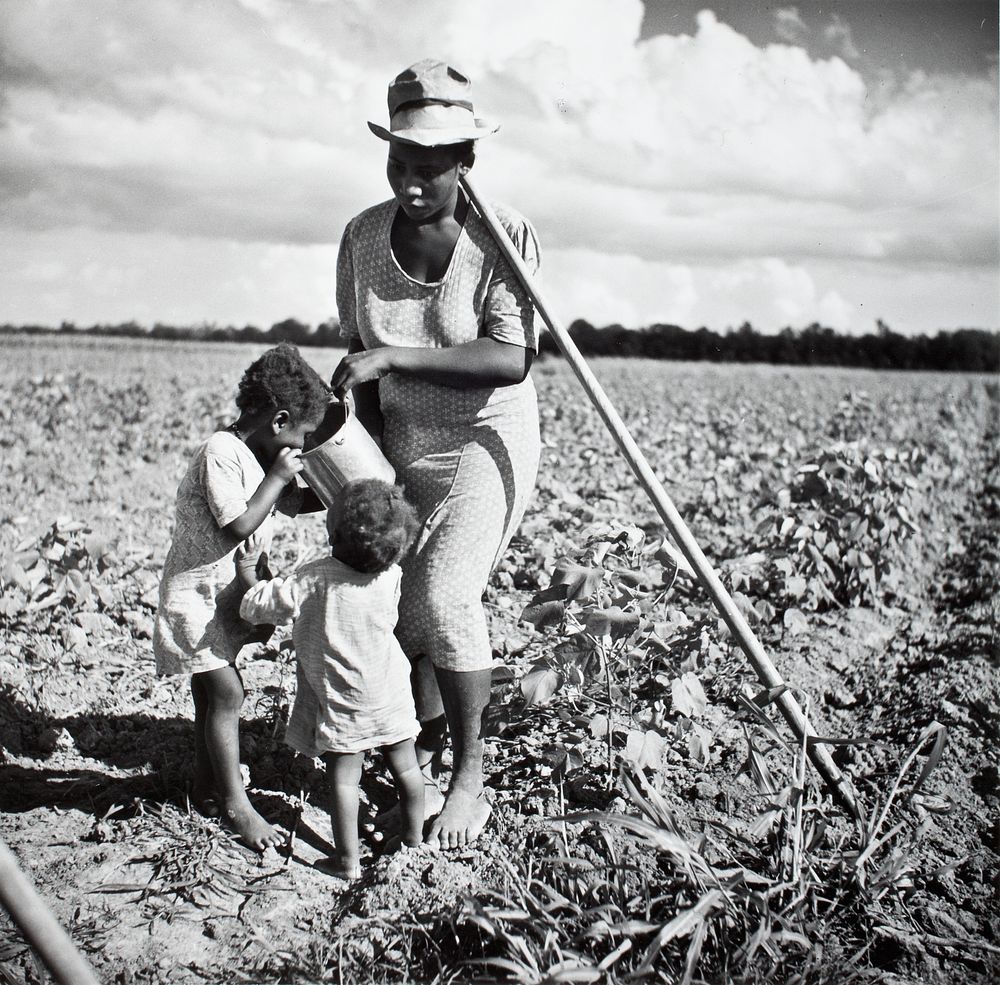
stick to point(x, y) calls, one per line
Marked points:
point(365, 366)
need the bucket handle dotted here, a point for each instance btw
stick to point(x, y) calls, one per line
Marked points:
point(342, 430)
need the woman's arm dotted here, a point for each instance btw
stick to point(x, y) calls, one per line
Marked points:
point(275, 601)
point(365, 393)
point(484, 362)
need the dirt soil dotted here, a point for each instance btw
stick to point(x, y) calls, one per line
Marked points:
point(95, 750)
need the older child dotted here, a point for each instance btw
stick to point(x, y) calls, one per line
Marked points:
point(353, 678)
point(236, 480)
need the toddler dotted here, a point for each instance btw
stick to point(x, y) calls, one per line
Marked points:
point(236, 480)
point(353, 678)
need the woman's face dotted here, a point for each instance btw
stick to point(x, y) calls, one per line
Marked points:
point(424, 180)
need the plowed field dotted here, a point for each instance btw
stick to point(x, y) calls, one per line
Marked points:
point(653, 815)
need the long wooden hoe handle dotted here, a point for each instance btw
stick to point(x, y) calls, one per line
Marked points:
point(739, 627)
point(39, 927)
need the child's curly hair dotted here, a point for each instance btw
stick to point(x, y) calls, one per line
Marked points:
point(372, 524)
point(282, 380)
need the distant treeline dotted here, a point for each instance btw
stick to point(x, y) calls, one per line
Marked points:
point(289, 330)
point(968, 349)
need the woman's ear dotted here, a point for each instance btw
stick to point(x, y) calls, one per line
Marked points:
point(280, 421)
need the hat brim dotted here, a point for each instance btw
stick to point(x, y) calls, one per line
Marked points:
point(436, 136)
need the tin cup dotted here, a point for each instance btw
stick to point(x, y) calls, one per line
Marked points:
point(342, 450)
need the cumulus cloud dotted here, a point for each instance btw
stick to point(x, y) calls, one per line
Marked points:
point(264, 137)
point(86, 276)
point(838, 33)
point(778, 294)
point(789, 25)
point(243, 122)
point(111, 276)
point(622, 289)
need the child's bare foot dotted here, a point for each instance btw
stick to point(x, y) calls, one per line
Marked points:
point(253, 830)
point(204, 793)
point(389, 820)
point(461, 820)
point(394, 845)
point(334, 865)
point(204, 800)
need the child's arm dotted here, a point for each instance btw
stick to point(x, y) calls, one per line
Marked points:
point(275, 601)
point(286, 466)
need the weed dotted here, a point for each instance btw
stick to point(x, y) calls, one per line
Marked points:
point(759, 903)
point(196, 868)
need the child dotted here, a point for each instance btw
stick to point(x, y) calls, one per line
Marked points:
point(353, 678)
point(235, 481)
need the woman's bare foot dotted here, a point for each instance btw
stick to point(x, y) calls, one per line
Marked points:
point(253, 830)
point(334, 865)
point(461, 820)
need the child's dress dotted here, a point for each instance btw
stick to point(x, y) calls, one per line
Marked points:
point(198, 626)
point(353, 679)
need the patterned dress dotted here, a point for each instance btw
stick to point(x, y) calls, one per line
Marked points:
point(467, 458)
point(198, 626)
point(353, 690)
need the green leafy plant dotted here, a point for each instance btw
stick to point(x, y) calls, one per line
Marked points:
point(61, 570)
point(833, 536)
point(597, 620)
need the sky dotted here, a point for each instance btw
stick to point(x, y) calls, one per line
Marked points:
point(195, 161)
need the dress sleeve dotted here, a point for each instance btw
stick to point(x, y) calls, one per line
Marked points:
point(222, 481)
point(510, 316)
point(275, 601)
point(347, 296)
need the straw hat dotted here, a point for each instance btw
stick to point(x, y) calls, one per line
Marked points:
point(430, 104)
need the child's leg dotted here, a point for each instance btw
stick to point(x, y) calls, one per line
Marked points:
point(223, 691)
point(204, 795)
point(402, 760)
point(430, 743)
point(344, 769)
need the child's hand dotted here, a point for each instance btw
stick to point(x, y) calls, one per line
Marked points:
point(252, 569)
point(286, 465)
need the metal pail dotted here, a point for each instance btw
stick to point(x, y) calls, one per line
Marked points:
point(341, 450)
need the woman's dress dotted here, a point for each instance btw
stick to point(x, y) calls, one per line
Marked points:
point(467, 458)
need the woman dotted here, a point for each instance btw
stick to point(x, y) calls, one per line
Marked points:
point(441, 337)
